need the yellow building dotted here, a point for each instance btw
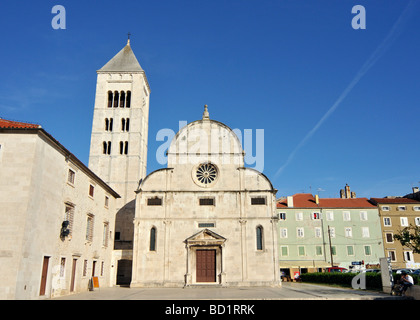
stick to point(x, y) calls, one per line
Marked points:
point(396, 214)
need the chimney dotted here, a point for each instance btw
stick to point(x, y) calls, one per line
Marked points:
point(342, 193)
point(347, 192)
point(290, 201)
point(353, 195)
point(316, 199)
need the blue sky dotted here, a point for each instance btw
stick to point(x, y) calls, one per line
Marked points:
point(273, 65)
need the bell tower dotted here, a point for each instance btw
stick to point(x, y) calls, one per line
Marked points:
point(118, 149)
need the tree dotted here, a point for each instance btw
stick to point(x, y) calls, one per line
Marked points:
point(409, 237)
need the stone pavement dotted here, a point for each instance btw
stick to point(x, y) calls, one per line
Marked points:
point(288, 291)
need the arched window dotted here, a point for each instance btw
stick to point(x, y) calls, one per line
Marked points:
point(107, 147)
point(108, 124)
point(122, 99)
point(128, 105)
point(110, 98)
point(116, 97)
point(125, 124)
point(153, 239)
point(260, 235)
point(121, 147)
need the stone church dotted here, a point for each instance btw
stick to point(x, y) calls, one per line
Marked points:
point(203, 220)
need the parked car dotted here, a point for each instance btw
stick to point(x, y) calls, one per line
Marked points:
point(336, 269)
point(406, 270)
point(372, 270)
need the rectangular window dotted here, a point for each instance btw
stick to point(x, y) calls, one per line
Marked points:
point(368, 250)
point(299, 216)
point(346, 215)
point(350, 251)
point(106, 201)
point(391, 254)
point(363, 215)
point(105, 234)
point(318, 232)
point(408, 256)
point(385, 208)
point(69, 216)
point(404, 221)
point(417, 221)
point(330, 216)
point(348, 232)
point(365, 232)
point(402, 208)
point(206, 225)
point(300, 232)
point(102, 268)
point(71, 176)
point(282, 215)
point(316, 216)
point(387, 221)
point(154, 201)
point(85, 263)
point(332, 232)
point(389, 237)
point(318, 250)
point(333, 250)
point(284, 251)
point(207, 202)
point(89, 227)
point(91, 190)
point(301, 250)
point(416, 208)
point(283, 232)
point(62, 267)
point(258, 201)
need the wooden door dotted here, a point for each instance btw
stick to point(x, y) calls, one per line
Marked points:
point(73, 275)
point(206, 266)
point(44, 276)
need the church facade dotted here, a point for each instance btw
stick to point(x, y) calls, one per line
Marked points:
point(205, 219)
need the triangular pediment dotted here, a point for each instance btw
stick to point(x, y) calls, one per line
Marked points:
point(205, 236)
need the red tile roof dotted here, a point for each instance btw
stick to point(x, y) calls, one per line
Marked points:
point(394, 200)
point(14, 124)
point(307, 200)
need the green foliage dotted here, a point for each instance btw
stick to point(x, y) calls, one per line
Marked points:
point(409, 237)
point(373, 280)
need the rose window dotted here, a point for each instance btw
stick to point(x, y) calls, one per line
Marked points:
point(206, 173)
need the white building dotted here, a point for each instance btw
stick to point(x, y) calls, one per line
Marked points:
point(205, 219)
point(56, 217)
